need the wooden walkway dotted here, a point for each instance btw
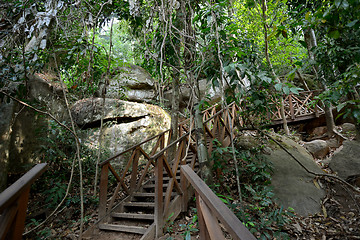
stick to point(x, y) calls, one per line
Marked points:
point(158, 178)
point(298, 108)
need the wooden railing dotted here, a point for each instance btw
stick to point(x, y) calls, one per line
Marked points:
point(297, 107)
point(154, 163)
point(145, 164)
point(13, 204)
point(211, 210)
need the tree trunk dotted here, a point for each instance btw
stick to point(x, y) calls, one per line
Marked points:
point(310, 40)
point(282, 109)
point(205, 168)
point(174, 112)
point(188, 40)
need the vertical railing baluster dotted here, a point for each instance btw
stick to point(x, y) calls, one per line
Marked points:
point(103, 191)
point(159, 211)
point(21, 215)
point(183, 181)
point(204, 234)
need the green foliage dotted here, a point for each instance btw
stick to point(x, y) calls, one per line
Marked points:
point(338, 52)
point(189, 228)
point(58, 150)
point(42, 234)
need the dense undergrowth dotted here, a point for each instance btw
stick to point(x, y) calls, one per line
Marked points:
point(58, 150)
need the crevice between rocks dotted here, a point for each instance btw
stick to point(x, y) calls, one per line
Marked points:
point(116, 120)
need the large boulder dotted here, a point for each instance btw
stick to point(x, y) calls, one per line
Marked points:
point(125, 123)
point(318, 148)
point(23, 130)
point(293, 185)
point(132, 82)
point(206, 90)
point(346, 162)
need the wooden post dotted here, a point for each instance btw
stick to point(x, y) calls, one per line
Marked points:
point(204, 234)
point(103, 191)
point(183, 182)
point(291, 107)
point(21, 215)
point(159, 211)
point(134, 171)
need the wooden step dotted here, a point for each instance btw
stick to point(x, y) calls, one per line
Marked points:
point(146, 194)
point(167, 178)
point(139, 204)
point(142, 194)
point(122, 228)
point(147, 186)
point(133, 216)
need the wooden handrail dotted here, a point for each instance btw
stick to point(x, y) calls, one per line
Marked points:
point(13, 204)
point(232, 224)
point(9, 195)
point(132, 148)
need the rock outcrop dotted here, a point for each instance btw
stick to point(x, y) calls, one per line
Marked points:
point(125, 123)
point(206, 90)
point(132, 83)
point(318, 148)
point(348, 128)
point(293, 186)
point(346, 161)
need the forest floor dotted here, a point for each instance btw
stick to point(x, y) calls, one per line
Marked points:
point(339, 219)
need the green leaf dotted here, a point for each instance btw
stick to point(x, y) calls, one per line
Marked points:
point(278, 86)
point(344, 4)
point(334, 34)
point(356, 114)
point(341, 106)
point(286, 90)
point(351, 24)
point(303, 43)
point(294, 90)
point(337, 3)
point(188, 236)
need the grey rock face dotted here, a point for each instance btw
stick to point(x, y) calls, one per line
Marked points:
point(125, 123)
point(318, 148)
point(293, 186)
point(132, 82)
point(89, 110)
point(346, 162)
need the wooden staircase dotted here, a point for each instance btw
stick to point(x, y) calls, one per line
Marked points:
point(136, 215)
point(151, 190)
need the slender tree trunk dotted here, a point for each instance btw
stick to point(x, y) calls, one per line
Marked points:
point(188, 40)
point(202, 153)
point(282, 109)
point(174, 112)
point(175, 98)
point(310, 40)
